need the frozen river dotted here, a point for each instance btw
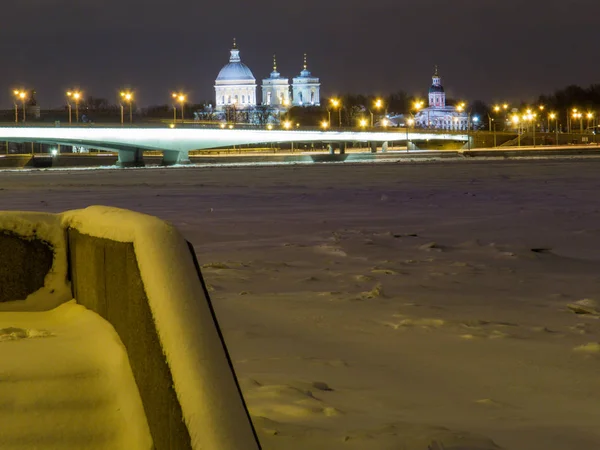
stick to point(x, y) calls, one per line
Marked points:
point(388, 306)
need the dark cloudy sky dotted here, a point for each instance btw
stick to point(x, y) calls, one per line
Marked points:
point(486, 49)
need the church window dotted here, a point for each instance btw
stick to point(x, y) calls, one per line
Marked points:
point(312, 97)
point(243, 99)
point(268, 98)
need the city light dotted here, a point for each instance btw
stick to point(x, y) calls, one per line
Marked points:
point(363, 122)
point(269, 127)
point(128, 97)
point(461, 107)
point(20, 94)
point(76, 96)
point(287, 124)
point(181, 98)
point(418, 104)
point(325, 124)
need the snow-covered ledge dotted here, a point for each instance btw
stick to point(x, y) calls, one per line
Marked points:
point(140, 274)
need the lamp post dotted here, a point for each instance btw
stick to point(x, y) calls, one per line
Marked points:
point(590, 116)
point(378, 103)
point(76, 96)
point(179, 97)
point(336, 103)
point(128, 97)
point(21, 95)
point(517, 122)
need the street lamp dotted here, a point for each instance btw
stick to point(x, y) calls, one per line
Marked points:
point(362, 123)
point(76, 96)
point(336, 103)
point(324, 124)
point(128, 97)
point(590, 116)
point(578, 115)
point(515, 119)
point(179, 97)
point(287, 124)
point(20, 95)
point(378, 104)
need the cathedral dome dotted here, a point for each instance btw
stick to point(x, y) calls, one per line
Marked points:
point(436, 88)
point(236, 70)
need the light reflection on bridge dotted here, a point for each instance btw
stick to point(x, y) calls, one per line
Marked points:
point(175, 143)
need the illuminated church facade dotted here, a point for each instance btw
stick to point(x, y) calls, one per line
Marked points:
point(438, 115)
point(235, 87)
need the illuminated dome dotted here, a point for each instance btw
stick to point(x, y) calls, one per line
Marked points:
point(236, 70)
point(235, 86)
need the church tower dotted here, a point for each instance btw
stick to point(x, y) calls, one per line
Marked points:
point(276, 89)
point(306, 88)
point(437, 96)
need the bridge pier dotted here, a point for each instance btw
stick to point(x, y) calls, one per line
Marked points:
point(342, 148)
point(171, 158)
point(384, 147)
point(131, 158)
point(373, 146)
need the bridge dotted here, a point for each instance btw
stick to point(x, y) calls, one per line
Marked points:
point(176, 142)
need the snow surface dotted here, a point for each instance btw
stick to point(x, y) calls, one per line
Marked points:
point(422, 306)
point(65, 382)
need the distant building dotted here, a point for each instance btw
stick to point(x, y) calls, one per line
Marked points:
point(276, 90)
point(306, 88)
point(235, 85)
point(438, 115)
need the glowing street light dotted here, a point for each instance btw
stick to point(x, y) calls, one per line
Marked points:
point(377, 104)
point(287, 124)
point(269, 127)
point(178, 97)
point(336, 103)
point(324, 124)
point(76, 96)
point(20, 94)
point(362, 122)
point(578, 115)
point(516, 120)
point(128, 97)
point(460, 107)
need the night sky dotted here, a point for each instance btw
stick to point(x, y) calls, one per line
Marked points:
point(486, 49)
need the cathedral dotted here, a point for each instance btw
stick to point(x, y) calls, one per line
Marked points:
point(438, 115)
point(235, 87)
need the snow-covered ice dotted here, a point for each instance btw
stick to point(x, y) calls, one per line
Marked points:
point(383, 306)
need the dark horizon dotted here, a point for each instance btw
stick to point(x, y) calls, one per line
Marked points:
point(491, 52)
